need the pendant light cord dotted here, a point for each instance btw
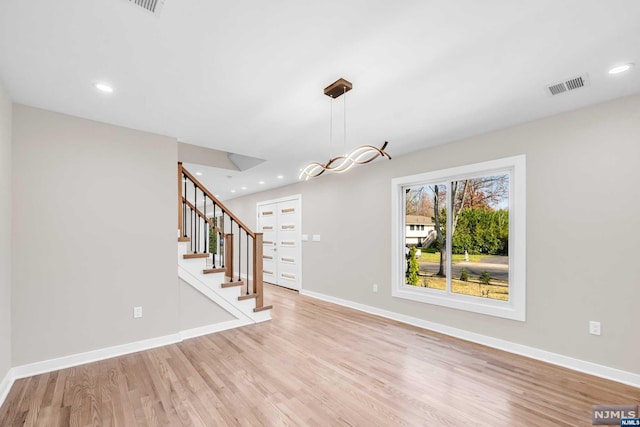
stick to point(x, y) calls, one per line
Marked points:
point(344, 124)
point(344, 140)
point(331, 128)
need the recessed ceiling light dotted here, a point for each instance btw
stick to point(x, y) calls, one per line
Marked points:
point(620, 68)
point(280, 176)
point(243, 188)
point(233, 191)
point(261, 182)
point(103, 87)
point(199, 173)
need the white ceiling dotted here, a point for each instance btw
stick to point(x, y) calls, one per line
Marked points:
point(247, 76)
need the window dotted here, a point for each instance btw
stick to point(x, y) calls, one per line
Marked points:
point(473, 256)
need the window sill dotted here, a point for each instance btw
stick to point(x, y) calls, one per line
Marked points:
point(496, 308)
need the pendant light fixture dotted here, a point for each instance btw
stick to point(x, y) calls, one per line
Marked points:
point(358, 156)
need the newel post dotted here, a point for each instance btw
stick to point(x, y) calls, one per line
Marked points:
point(257, 269)
point(180, 219)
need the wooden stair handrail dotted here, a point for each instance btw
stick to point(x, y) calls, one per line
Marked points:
point(214, 199)
point(228, 237)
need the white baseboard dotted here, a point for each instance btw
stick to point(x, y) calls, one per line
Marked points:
point(216, 327)
point(38, 368)
point(624, 377)
point(5, 385)
point(45, 366)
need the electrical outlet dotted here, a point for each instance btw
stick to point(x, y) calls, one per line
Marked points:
point(375, 287)
point(315, 238)
point(137, 312)
point(594, 327)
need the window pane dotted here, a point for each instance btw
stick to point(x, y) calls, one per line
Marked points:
point(424, 211)
point(480, 237)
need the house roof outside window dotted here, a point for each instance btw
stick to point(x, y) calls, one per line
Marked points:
point(418, 220)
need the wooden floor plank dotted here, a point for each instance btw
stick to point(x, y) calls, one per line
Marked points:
point(314, 364)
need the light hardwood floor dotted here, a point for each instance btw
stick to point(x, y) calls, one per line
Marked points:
point(314, 364)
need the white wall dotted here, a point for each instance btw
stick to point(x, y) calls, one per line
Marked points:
point(94, 234)
point(196, 310)
point(5, 231)
point(582, 171)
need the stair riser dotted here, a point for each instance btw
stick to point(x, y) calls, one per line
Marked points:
point(246, 305)
point(262, 316)
point(212, 280)
point(183, 248)
point(230, 294)
point(194, 265)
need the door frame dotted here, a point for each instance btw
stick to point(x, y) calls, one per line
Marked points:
point(298, 217)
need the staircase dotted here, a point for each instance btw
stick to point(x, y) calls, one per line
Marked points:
point(218, 254)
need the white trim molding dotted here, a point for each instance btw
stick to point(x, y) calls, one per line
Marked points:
point(212, 329)
point(194, 281)
point(613, 374)
point(5, 385)
point(50, 365)
point(64, 362)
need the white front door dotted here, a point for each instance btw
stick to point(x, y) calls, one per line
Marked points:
point(268, 226)
point(279, 221)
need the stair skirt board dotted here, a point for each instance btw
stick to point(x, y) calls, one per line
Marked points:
point(241, 309)
point(201, 287)
point(192, 272)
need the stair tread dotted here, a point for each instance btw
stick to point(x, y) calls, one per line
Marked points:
point(191, 256)
point(214, 270)
point(232, 284)
point(184, 239)
point(244, 297)
point(263, 308)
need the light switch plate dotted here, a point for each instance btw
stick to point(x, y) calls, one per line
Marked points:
point(137, 312)
point(305, 237)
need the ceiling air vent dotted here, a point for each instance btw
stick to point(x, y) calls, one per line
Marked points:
point(153, 6)
point(568, 85)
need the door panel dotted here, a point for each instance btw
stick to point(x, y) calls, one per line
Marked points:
point(267, 225)
point(280, 223)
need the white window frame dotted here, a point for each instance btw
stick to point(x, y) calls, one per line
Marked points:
point(515, 308)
